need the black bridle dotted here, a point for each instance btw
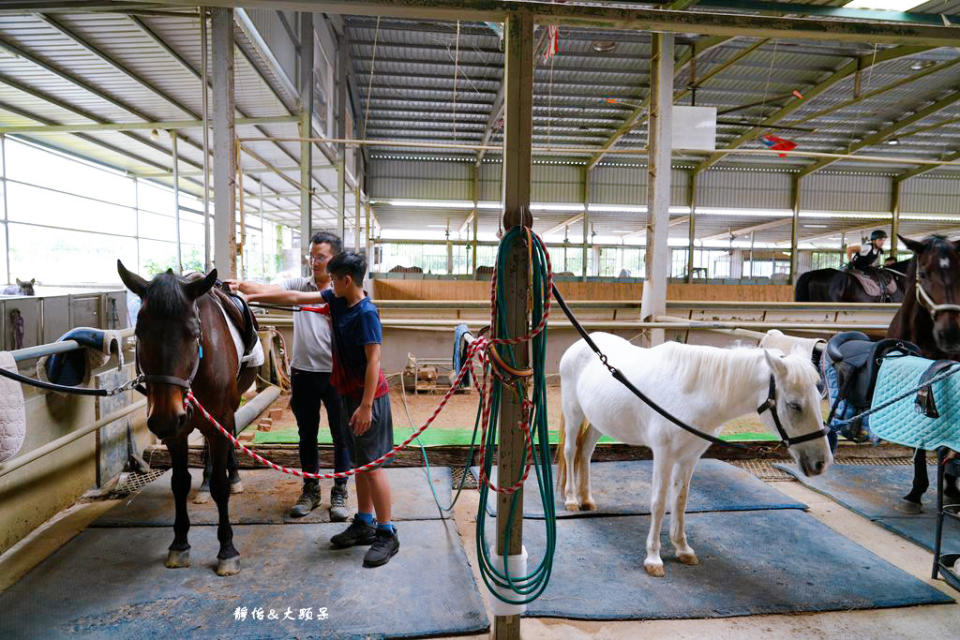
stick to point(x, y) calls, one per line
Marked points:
point(770, 403)
point(155, 378)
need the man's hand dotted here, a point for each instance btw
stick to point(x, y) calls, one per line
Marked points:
point(233, 284)
point(361, 419)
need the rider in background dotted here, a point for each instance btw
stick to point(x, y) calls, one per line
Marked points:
point(867, 257)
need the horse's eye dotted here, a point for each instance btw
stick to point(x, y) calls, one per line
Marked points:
point(793, 406)
point(922, 274)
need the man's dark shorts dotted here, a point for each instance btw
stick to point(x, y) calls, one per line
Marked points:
point(378, 439)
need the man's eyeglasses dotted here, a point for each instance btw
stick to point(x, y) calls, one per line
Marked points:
point(313, 259)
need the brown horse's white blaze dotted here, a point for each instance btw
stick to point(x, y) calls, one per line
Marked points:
point(703, 386)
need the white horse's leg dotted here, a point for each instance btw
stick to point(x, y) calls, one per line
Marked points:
point(658, 494)
point(680, 477)
point(572, 417)
point(583, 474)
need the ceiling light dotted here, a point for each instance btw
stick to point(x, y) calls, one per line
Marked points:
point(815, 226)
point(603, 46)
point(921, 64)
point(883, 5)
point(893, 141)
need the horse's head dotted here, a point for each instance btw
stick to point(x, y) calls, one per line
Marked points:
point(168, 344)
point(798, 409)
point(935, 275)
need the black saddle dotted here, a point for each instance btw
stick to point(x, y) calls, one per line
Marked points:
point(857, 360)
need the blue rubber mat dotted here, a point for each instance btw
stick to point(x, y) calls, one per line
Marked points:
point(268, 495)
point(872, 491)
point(623, 488)
point(111, 583)
point(753, 562)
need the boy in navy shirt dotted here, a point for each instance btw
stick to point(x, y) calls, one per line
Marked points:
point(357, 338)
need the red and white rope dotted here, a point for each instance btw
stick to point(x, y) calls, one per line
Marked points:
point(479, 348)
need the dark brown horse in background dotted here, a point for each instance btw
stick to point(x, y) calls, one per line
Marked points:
point(836, 285)
point(930, 318)
point(184, 343)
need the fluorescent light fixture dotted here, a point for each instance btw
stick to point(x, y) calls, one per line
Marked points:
point(437, 226)
point(883, 5)
point(815, 226)
point(852, 215)
point(745, 213)
point(556, 207)
point(926, 217)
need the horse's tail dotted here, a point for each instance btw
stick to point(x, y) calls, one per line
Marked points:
point(802, 290)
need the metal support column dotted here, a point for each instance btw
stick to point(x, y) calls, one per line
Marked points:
point(6, 215)
point(475, 196)
point(654, 300)
point(518, 133)
point(895, 225)
point(585, 222)
point(175, 161)
point(205, 113)
point(794, 229)
point(306, 131)
point(692, 201)
point(225, 152)
point(341, 115)
point(357, 193)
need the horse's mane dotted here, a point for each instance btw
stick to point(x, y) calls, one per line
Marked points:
point(713, 370)
point(165, 296)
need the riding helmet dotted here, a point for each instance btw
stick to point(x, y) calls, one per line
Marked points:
point(876, 235)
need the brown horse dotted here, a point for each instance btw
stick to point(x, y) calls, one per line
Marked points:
point(930, 318)
point(184, 343)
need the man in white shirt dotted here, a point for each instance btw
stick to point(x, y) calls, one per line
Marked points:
point(310, 376)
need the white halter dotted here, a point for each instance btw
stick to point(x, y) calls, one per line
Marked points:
point(924, 300)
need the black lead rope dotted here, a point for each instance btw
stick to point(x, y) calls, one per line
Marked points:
point(62, 388)
point(618, 375)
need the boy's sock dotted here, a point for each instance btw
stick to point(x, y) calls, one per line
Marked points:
point(366, 518)
point(387, 526)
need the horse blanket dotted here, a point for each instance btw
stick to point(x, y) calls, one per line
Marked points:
point(901, 422)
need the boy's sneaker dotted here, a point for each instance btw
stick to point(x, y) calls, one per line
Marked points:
point(338, 504)
point(358, 533)
point(308, 501)
point(384, 547)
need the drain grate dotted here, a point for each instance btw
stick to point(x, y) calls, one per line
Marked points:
point(878, 462)
point(130, 483)
point(764, 470)
point(457, 473)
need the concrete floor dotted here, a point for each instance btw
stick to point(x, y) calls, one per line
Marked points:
point(934, 621)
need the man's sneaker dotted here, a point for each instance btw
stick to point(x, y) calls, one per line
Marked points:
point(357, 534)
point(384, 547)
point(308, 501)
point(338, 504)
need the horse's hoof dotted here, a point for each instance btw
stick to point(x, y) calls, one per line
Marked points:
point(588, 505)
point(689, 559)
point(202, 497)
point(906, 506)
point(654, 570)
point(177, 559)
point(228, 566)
point(236, 487)
point(571, 505)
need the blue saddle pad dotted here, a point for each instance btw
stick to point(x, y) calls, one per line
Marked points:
point(900, 422)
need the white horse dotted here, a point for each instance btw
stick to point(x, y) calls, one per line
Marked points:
point(702, 386)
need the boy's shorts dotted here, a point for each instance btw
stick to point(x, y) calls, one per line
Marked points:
point(378, 439)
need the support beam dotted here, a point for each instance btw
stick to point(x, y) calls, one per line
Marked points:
point(895, 211)
point(496, 112)
point(692, 235)
point(569, 221)
point(889, 132)
point(135, 126)
point(794, 228)
point(517, 162)
point(341, 116)
point(748, 230)
point(654, 300)
point(843, 73)
point(306, 130)
point(627, 17)
point(919, 171)
point(224, 149)
point(585, 226)
point(175, 161)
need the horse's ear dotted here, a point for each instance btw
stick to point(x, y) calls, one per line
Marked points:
point(131, 280)
point(776, 364)
point(33, 280)
point(956, 245)
point(915, 246)
point(20, 282)
point(196, 288)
